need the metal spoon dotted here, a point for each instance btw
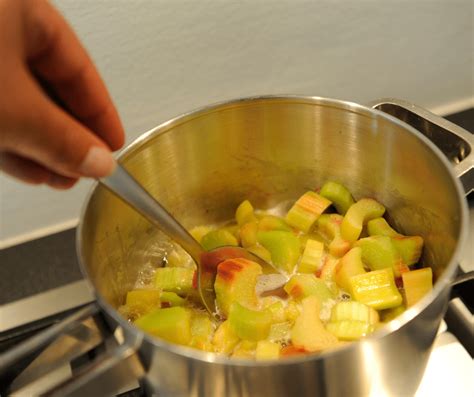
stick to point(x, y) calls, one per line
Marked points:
point(126, 187)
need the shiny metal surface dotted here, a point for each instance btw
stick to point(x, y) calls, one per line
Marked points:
point(270, 150)
point(128, 189)
point(455, 142)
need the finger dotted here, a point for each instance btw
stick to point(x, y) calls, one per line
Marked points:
point(33, 173)
point(37, 129)
point(56, 55)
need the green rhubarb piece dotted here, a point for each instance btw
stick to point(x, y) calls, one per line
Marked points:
point(329, 225)
point(267, 350)
point(376, 289)
point(218, 238)
point(245, 213)
point(349, 265)
point(270, 222)
point(378, 252)
point(301, 286)
point(225, 339)
point(359, 214)
point(199, 232)
point(174, 279)
point(280, 332)
point(416, 284)
point(409, 248)
point(349, 329)
point(380, 227)
point(250, 324)
point(235, 282)
point(309, 332)
point(354, 311)
point(248, 234)
point(142, 301)
point(306, 210)
point(261, 252)
point(312, 258)
point(338, 194)
point(284, 247)
point(172, 324)
point(389, 314)
point(171, 299)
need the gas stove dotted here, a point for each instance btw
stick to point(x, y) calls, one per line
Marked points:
point(36, 297)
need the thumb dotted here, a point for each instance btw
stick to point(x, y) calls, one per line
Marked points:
point(39, 130)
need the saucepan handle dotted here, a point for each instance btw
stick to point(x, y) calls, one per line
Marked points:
point(116, 363)
point(455, 142)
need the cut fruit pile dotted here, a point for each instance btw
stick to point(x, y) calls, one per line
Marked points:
point(345, 272)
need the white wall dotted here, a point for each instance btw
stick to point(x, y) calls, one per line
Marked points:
point(161, 58)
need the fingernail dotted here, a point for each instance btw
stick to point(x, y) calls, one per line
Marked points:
point(98, 163)
point(61, 182)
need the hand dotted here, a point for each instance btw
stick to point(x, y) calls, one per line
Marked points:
point(41, 141)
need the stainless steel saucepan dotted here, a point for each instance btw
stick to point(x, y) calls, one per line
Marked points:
point(271, 149)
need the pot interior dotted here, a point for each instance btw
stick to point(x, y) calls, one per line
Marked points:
point(270, 151)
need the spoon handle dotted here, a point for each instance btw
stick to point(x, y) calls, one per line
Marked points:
point(126, 187)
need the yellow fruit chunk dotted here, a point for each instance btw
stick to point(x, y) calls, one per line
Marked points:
point(202, 330)
point(309, 332)
point(225, 339)
point(235, 282)
point(245, 213)
point(248, 234)
point(349, 265)
point(267, 350)
point(417, 283)
point(306, 210)
point(376, 289)
point(218, 238)
point(349, 329)
point(354, 311)
point(312, 258)
point(141, 301)
point(357, 215)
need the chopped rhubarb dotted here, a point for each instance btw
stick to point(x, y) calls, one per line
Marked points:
point(338, 194)
point(284, 247)
point(359, 214)
point(376, 289)
point(235, 282)
point(417, 284)
point(349, 265)
point(306, 210)
point(250, 324)
point(312, 259)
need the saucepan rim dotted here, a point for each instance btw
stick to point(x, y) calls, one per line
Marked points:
point(443, 281)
